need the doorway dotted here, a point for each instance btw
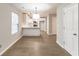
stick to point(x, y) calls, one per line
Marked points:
point(43, 25)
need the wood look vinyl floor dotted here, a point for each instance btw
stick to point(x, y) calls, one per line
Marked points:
point(36, 46)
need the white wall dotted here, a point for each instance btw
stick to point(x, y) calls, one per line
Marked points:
point(51, 24)
point(47, 24)
point(59, 23)
point(54, 24)
point(24, 19)
point(6, 39)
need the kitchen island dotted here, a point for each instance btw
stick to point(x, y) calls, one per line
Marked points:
point(31, 31)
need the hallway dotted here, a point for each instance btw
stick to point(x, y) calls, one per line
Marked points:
point(36, 46)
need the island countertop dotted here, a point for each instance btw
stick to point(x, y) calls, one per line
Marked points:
point(31, 27)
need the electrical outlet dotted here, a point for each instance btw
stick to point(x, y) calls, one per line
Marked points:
point(0, 45)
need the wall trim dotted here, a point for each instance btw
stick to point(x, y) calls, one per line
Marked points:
point(62, 47)
point(59, 44)
point(10, 45)
point(51, 34)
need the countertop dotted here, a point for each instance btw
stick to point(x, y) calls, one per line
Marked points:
point(30, 27)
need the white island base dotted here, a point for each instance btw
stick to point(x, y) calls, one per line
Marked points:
point(31, 31)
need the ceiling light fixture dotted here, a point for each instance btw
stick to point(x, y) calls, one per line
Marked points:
point(36, 16)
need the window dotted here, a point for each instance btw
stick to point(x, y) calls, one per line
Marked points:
point(15, 23)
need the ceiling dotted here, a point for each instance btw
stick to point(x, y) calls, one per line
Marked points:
point(42, 8)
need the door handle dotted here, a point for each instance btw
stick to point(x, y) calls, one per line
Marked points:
point(75, 34)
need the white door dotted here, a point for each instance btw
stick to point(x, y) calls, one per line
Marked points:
point(75, 30)
point(71, 29)
point(68, 31)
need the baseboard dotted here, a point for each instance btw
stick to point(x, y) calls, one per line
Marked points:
point(10, 45)
point(63, 47)
point(59, 44)
point(51, 34)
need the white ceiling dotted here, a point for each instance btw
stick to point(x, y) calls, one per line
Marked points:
point(42, 8)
